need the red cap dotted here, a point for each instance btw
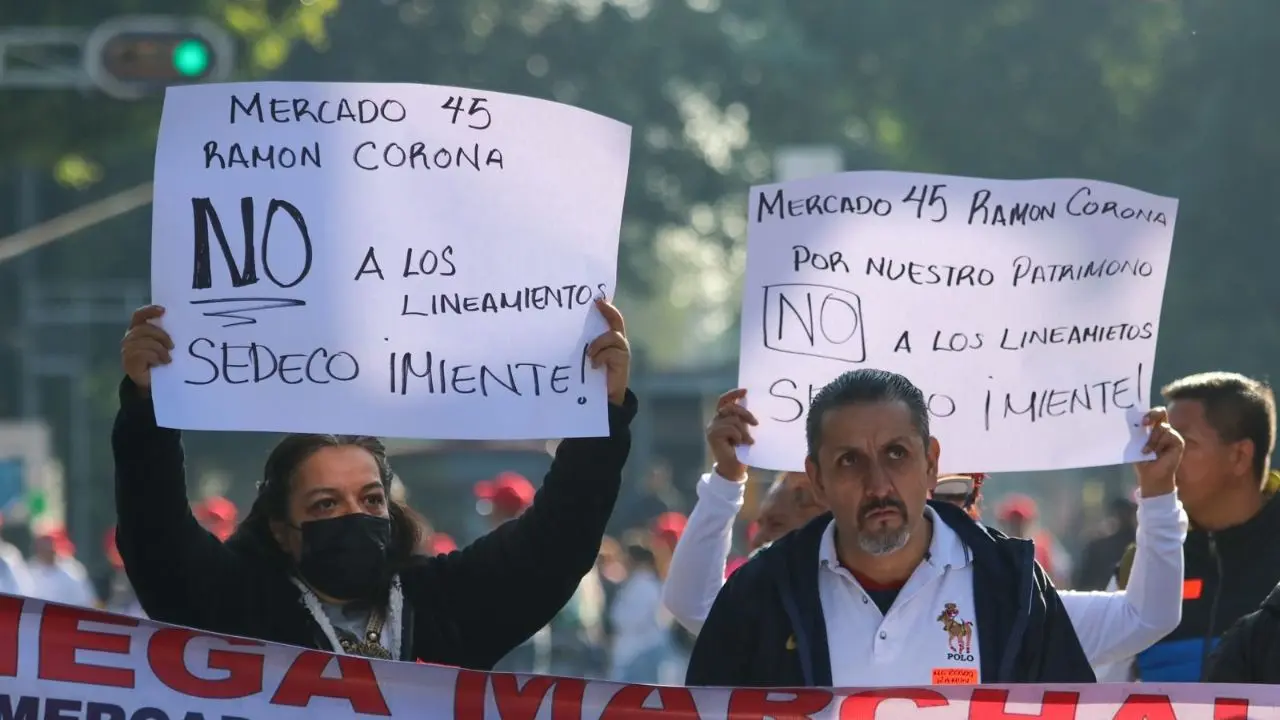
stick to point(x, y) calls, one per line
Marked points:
point(218, 515)
point(440, 544)
point(668, 527)
point(62, 544)
point(510, 493)
point(1017, 507)
point(217, 509)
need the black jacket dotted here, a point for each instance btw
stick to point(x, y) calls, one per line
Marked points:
point(466, 609)
point(1023, 629)
point(1250, 651)
point(1228, 575)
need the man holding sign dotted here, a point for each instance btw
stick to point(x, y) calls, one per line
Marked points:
point(907, 591)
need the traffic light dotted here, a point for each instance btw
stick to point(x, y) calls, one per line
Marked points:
point(132, 57)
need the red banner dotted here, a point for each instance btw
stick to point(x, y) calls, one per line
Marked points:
point(60, 663)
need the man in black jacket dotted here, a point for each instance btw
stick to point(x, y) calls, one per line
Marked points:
point(890, 588)
point(1232, 558)
point(1250, 651)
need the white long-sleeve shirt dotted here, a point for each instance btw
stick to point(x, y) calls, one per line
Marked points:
point(696, 572)
point(15, 578)
point(1111, 626)
point(639, 621)
point(1121, 670)
point(65, 581)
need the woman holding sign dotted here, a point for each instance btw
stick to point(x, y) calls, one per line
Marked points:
point(326, 559)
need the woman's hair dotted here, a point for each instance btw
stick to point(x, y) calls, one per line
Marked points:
point(272, 503)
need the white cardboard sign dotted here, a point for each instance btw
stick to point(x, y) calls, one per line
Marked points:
point(386, 259)
point(1026, 310)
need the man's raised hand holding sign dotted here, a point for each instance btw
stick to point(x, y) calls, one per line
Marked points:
point(1156, 476)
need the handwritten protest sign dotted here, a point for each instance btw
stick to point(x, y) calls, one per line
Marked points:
point(1027, 311)
point(401, 260)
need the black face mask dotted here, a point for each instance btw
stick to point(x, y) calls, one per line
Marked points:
point(345, 557)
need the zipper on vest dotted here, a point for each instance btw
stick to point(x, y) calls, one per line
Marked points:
point(1213, 608)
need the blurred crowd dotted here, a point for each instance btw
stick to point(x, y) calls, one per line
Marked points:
point(52, 572)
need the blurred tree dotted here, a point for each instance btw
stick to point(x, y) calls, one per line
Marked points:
point(656, 66)
point(1173, 97)
point(1208, 137)
point(80, 146)
point(84, 145)
point(1012, 88)
point(68, 132)
point(1155, 94)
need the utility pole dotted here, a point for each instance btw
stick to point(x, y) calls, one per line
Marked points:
point(56, 321)
point(129, 57)
point(37, 58)
point(28, 212)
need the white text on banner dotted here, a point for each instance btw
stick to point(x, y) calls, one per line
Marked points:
point(64, 662)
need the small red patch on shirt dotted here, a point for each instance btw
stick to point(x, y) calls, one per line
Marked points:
point(1192, 589)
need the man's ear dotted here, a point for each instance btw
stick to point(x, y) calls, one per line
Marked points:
point(1240, 457)
point(932, 453)
point(815, 480)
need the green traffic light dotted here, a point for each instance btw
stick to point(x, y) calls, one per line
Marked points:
point(191, 58)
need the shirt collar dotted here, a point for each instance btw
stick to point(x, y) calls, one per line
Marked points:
point(946, 549)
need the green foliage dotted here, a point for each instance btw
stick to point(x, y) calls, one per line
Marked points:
point(70, 131)
point(1162, 95)
point(1172, 96)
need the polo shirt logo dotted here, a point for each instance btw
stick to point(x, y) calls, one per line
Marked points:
point(959, 633)
point(791, 642)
